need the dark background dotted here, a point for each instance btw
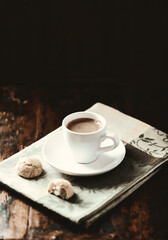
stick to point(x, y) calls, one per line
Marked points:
point(114, 52)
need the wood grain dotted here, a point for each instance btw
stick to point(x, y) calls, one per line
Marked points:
point(26, 115)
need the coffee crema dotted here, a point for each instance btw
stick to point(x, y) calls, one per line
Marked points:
point(84, 125)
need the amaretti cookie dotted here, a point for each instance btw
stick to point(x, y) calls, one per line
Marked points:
point(29, 167)
point(61, 187)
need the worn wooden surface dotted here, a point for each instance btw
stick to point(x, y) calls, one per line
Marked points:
point(28, 113)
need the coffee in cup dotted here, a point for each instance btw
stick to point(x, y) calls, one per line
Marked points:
point(84, 132)
point(84, 125)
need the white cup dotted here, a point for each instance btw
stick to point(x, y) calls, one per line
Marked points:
point(86, 147)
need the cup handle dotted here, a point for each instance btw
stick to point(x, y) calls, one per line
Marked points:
point(115, 140)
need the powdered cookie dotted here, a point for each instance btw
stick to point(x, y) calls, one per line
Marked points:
point(29, 167)
point(62, 188)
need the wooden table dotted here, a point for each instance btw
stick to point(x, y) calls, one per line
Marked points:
point(28, 113)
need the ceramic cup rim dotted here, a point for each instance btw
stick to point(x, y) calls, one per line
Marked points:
point(76, 115)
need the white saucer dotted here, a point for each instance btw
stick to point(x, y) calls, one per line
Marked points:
point(60, 157)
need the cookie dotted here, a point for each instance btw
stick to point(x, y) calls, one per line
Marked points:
point(29, 167)
point(61, 187)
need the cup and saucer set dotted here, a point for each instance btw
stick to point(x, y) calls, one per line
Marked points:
point(82, 147)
